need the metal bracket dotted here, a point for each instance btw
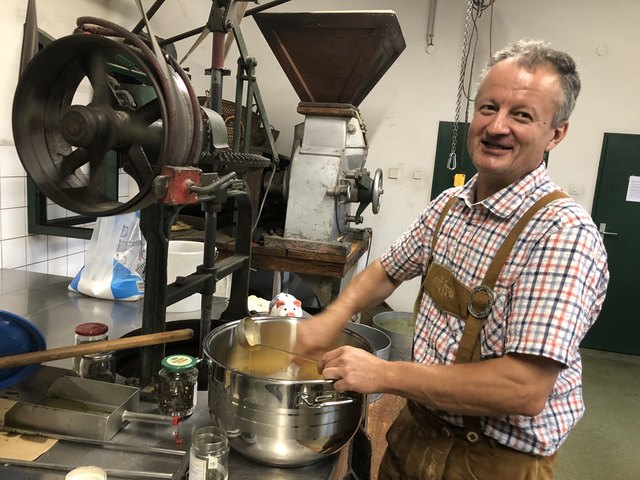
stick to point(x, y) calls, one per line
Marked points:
point(255, 90)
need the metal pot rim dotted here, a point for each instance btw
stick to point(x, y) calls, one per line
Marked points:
point(231, 325)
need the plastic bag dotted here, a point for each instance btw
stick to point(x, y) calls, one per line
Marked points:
point(114, 260)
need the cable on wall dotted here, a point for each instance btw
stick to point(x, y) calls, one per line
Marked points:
point(431, 19)
point(475, 8)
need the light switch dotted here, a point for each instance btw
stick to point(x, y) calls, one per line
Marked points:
point(417, 175)
point(394, 172)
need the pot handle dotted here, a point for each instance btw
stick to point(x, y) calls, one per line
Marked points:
point(322, 401)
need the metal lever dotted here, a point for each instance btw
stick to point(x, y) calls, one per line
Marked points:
point(602, 229)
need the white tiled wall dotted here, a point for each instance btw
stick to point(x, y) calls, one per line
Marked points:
point(20, 250)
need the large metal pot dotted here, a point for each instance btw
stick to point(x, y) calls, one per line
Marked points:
point(273, 414)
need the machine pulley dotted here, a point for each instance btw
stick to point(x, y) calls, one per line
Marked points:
point(92, 107)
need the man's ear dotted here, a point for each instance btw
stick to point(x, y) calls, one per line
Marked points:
point(558, 135)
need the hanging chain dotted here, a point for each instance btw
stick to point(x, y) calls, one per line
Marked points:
point(452, 163)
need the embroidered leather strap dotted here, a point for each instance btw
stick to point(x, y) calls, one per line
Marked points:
point(434, 241)
point(443, 214)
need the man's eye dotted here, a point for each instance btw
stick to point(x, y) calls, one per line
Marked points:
point(488, 108)
point(524, 116)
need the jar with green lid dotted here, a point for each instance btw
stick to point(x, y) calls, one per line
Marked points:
point(177, 385)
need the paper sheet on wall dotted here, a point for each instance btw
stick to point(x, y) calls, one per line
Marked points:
point(633, 189)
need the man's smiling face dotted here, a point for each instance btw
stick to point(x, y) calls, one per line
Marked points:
point(511, 128)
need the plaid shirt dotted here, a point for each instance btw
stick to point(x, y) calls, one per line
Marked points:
point(548, 294)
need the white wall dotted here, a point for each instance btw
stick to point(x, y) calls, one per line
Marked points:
point(402, 112)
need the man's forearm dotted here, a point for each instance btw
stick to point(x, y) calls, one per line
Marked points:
point(510, 385)
point(370, 287)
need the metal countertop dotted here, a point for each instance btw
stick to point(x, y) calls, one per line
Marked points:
point(46, 302)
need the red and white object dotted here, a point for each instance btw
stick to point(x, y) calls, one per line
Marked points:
point(285, 305)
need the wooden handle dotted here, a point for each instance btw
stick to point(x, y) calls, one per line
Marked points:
point(94, 347)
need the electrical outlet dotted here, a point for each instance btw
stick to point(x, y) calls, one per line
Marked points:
point(394, 173)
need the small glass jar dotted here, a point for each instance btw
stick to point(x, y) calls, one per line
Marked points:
point(209, 455)
point(177, 385)
point(95, 366)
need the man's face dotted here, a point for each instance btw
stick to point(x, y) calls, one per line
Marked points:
point(511, 126)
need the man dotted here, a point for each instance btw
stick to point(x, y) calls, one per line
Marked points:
point(515, 274)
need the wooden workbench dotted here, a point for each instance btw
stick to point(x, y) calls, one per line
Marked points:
point(312, 258)
point(330, 259)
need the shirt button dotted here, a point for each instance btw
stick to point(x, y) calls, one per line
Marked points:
point(472, 437)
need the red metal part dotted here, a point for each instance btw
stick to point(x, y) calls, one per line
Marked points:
point(178, 186)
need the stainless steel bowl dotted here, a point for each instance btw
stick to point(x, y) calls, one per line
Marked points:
point(274, 415)
point(399, 327)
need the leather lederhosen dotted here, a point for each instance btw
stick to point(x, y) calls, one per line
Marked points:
point(420, 443)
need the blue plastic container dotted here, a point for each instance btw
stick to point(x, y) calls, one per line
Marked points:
point(18, 335)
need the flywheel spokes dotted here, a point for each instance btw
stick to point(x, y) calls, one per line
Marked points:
point(75, 149)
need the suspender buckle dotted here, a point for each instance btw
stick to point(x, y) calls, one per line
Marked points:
point(480, 301)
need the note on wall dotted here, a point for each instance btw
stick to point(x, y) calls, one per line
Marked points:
point(633, 189)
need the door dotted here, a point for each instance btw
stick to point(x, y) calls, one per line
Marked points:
point(616, 211)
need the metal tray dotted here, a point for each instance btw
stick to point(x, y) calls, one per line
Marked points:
point(77, 406)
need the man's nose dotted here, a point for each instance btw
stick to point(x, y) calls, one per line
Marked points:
point(499, 124)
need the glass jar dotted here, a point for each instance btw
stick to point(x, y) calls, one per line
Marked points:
point(95, 366)
point(177, 385)
point(209, 455)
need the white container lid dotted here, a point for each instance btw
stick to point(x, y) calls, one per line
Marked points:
point(86, 473)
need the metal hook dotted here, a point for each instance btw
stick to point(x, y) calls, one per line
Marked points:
point(452, 162)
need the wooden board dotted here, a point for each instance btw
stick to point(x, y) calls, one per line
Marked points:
point(286, 256)
point(380, 415)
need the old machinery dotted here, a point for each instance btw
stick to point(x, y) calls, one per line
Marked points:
point(103, 104)
point(333, 60)
point(86, 100)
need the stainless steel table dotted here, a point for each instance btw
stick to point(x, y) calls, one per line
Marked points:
point(45, 301)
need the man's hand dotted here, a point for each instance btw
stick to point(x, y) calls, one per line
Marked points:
point(353, 369)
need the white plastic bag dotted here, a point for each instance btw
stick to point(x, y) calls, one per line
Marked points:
point(114, 261)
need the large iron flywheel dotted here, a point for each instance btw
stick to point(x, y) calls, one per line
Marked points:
point(88, 109)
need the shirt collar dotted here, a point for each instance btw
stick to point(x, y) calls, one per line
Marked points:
point(508, 200)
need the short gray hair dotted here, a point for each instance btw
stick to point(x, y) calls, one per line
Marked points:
point(534, 53)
